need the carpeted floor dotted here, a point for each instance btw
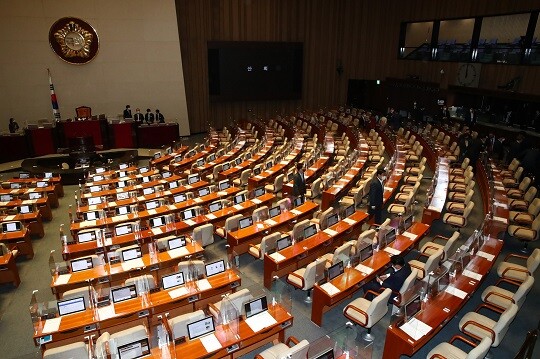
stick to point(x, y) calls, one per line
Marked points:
point(16, 327)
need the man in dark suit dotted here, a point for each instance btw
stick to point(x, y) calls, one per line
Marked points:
point(394, 280)
point(159, 117)
point(149, 117)
point(127, 112)
point(376, 190)
point(139, 117)
point(299, 181)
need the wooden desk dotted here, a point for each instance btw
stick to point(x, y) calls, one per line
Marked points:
point(165, 159)
point(8, 270)
point(197, 297)
point(240, 239)
point(97, 129)
point(157, 135)
point(344, 184)
point(438, 197)
point(185, 163)
point(494, 197)
point(41, 203)
point(122, 134)
point(42, 140)
point(256, 158)
point(19, 240)
point(209, 166)
point(306, 251)
point(48, 192)
point(161, 263)
point(278, 168)
point(312, 173)
point(31, 220)
point(353, 279)
point(53, 181)
point(439, 310)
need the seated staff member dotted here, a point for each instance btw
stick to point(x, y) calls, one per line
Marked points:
point(149, 117)
point(393, 280)
point(139, 117)
point(159, 117)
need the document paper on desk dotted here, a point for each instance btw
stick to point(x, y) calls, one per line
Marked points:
point(410, 235)
point(487, 256)
point(330, 288)
point(472, 275)
point(364, 269)
point(415, 328)
point(210, 343)
point(349, 221)
point(392, 251)
point(51, 325)
point(296, 212)
point(132, 264)
point(331, 232)
point(211, 216)
point(238, 207)
point(256, 201)
point(190, 222)
point(62, 279)
point(178, 252)
point(156, 231)
point(260, 321)
point(270, 222)
point(500, 219)
point(178, 292)
point(204, 284)
point(277, 257)
point(456, 292)
point(106, 312)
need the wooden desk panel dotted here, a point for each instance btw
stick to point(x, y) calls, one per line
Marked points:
point(433, 312)
point(235, 171)
point(306, 251)
point(240, 240)
point(310, 174)
point(157, 135)
point(41, 203)
point(185, 163)
point(344, 184)
point(353, 279)
point(8, 270)
point(166, 159)
point(494, 198)
point(31, 220)
point(19, 240)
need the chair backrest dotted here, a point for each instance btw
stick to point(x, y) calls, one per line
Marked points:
point(530, 194)
point(468, 196)
point(73, 350)
point(179, 324)
point(260, 214)
point(278, 182)
point(204, 234)
point(100, 351)
point(245, 175)
point(433, 261)
point(524, 184)
point(378, 307)
point(144, 283)
point(240, 297)
point(481, 350)
point(323, 217)
point(522, 291)
point(298, 229)
point(409, 281)
point(343, 252)
point(513, 165)
point(450, 242)
point(299, 351)
point(533, 261)
point(316, 187)
point(534, 207)
point(365, 236)
point(184, 267)
point(518, 173)
point(126, 337)
point(231, 223)
point(468, 209)
point(310, 275)
point(268, 243)
point(465, 163)
point(502, 325)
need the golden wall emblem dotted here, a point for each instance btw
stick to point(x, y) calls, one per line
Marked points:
point(74, 40)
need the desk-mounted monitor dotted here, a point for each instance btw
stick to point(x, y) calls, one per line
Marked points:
point(124, 293)
point(237, 161)
point(24, 175)
point(349, 210)
point(149, 190)
point(177, 242)
point(204, 191)
point(86, 236)
point(143, 170)
point(335, 270)
point(408, 221)
point(412, 307)
point(157, 155)
point(123, 166)
point(188, 214)
point(211, 157)
point(257, 171)
point(284, 242)
point(245, 222)
point(151, 205)
point(122, 195)
point(310, 231)
point(214, 268)
point(97, 178)
point(390, 236)
point(259, 192)
point(48, 175)
point(91, 216)
point(157, 221)
point(70, 306)
point(146, 179)
point(94, 200)
point(81, 264)
point(223, 185)
point(238, 199)
point(166, 174)
point(123, 229)
point(95, 188)
point(42, 184)
point(172, 280)
point(365, 250)
point(137, 349)
point(34, 195)
point(201, 328)
point(179, 198)
point(24, 209)
point(173, 184)
point(331, 220)
point(298, 201)
point(255, 306)
point(122, 210)
point(216, 206)
point(268, 165)
point(226, 166)
point(274, 211)
point(6, 198)
point(130, 254)
point(193, 179)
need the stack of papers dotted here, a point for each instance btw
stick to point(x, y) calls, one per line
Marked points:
point(62, 279)
point(178, 252)
point(392, 251)
point(178, 292)
point(123, 217)
point(51, 325)
point(277, 257)
point(197, 200)
point(330, 288)
point(487, 256)
point(256, 201)
point(210, 343)
point(152, 212)
point(238, 207)
point(132, 264)
point(349, 221)
point(364, 269)
point(270, 222)
point(472, 275)
point(260, 321)
point(190, 222)
point(415, 328)
point(211, 216)
point(500, 219)
point(296, 212)
point(410, 235)
point(107, 312)
point(204, 284)
point(156, 231)
point(456, 292)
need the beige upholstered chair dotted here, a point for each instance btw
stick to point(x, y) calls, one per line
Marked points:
point(440, 242)
point(277, 186)
point(456, 220)
point(320, 218)
point(521, 204)
point(341, 253)
point(479, 326)
point(429, 265)
point(78, 292)
point(315, 189)
point(526, 218)
point(243, 180)
point(402, 208)
point(73, 350)
point(284, 350)
point(306, 277)
point(143, 283)
point(447, 350)
point(298, 229)
point(525, 234)
point(197, 264)
point(231, 224)
point(267, 245)
point(237, 299)
point(367, 313)
point(458, 207)
point(520, 191)
point(461, 169)
point(512, 167)
point(514, 180)
point(461, 195)
point(517, 272)
point(204, 234)
point(127, 336)
point(502, 298)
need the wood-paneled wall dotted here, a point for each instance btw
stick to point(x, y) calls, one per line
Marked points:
point(360, 35)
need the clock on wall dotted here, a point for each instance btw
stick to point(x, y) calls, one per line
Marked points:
point(468, 75)
point(74, 40)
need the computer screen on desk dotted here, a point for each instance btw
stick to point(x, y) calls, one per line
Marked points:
point(121, 184)
point(179, 198)
point(80, 264)
point(157, 155)
point(238, 161)
point(283, 243)
point(365, 250)
point(211, 157)
point(193, 179)
point(200, 327)
point(188, 214)
point(214, 268)
point(48, 175)
point(390, 236)
point(274, 211)
point(24, 175)
point(172, 280)
point(158, 221)
point(245, 222)
point(97, 178)
point(94, 200)
point(255, 306)
point(151, 205)
point(200, 162)
point(100, 169)
point(146, 179)
point(130, 254)
point(123, 229)
point(327, 354)
point(216, 206)
point(86, 236)
point(310, 231)
point(331, 220)
point(166, 174)
point(70, 306)
point(204, 191)
point(223, 185)
point(6, 197)
point(412, 307)
point(259, 191)
point(226, 166)
point(137, 349)
point(177, 242)
point(25, 209)
point(173, 184)
point(123, 210)
point(143, 169)
point(124, 293)
point(298, 201)
point(34, 195)
point(91, 216)
point(408, 221)
point(149, 190)
point(335, 270)
point(42, 184)
point(349, 210)
point(257, 171)
point(122, 166)
point(241, 198)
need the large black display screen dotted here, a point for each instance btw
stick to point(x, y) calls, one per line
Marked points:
point(245, 70)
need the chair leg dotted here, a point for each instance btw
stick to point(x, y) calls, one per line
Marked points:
point(367, 336)
point(525, 248)
point(308, 297)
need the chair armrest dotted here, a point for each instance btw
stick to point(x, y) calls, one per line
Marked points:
point(509, 281)
point(421, 254)
point(419, 268)
point(513, 255)
point(495, 294)
point(373, 292)
point(515, 270)
point(352, 307)
point(476, 324)
point(292, 339)
point(438, 236)
point(463, 339)
point(257, 249)
point(297, 276)
point(488, 306)
point(428, 247)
